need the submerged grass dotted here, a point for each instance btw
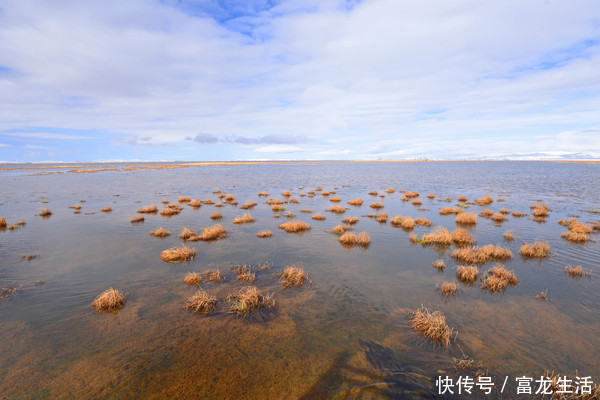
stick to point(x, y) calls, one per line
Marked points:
point(246, 300)
point(432, 325)
point(109, 300)
point(192, 279)
point(577, 272)
point(201, 302)
point(447, 288)
point(498, 278)
point(467, 273)
point(293, 276)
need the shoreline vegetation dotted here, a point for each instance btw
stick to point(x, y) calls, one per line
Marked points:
point(143, 165)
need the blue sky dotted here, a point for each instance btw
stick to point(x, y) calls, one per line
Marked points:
point(290, 79)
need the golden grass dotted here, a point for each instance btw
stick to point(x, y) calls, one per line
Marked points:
point(390, 190)
point(293, 200)
point(336, 209)
point(498, 217)
point(216, 215)
point(350, 220)
point(306, 210)
point(214, 232)
point(575, 237)
point(246, 300)
point(461, 237)
point(540, 210)
point(22, 223)
point(192, 279)
point(243, 273)
point(422, 221)
point(29, 257)
point(466, 218)
point(543, 295)
point(208, 202)
point(2, 222)
point(450, 210)
point(508, 236)
point(439, 264)
point(106, 209)
point(109, 300)
point(246, 219)
point(160, 232)
point(577, 272)
point(187, 233)
point(263, 194)
point(264, 234)
point(381, 217)
point(184, 199)
point(432, 325)
point(373, 192)
point(417, 202)
point(487, 213)
point(289, 214)
point(504, 211)
point(229, 198)
point(319, 217)
point(76, 207)
point(352, 239)
point(286, 194)
point(335, 199)
point(578, 227)
point(195, 203)
point(376, 205)
point(447, 288)
point(148, 210)
point(431, 196)
point(213, 275)
point(340, 229)
point(293, 276)
point(277, 207)
point(137, 218)
point(294, 226)
point(165, 201)
point(485, 200)
point(439, 236)
point(467, 273)
point(201, 302)
point(167, 212)
point(403, 222)
point(178, 254)
point(462, 198)
point(325, 193)
point(535, 250)
point(480, 255)
point(518, 214)
point(248, 204)
point(498, 278)
point(45, 212)
point(355, 202)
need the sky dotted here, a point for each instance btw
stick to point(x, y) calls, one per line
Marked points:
point(298, 79)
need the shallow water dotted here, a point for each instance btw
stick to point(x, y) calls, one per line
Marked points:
point(345, 336)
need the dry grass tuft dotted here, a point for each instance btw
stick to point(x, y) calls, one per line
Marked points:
point(336, 209)
point(106, 209)
point(432, 325)
point(109, 300)
point(325, 193)
point(148, 210)
point(160, 232)
point(417, 202)
point(498, 278)
point(195, 203)
point(351, 239)
point(277, 207)
point(403, 222)
point(462, 198)
point(355, 202)
point(137, 218)
point(543, 295)
point(485, 200)
point(487, 213)
point(184, 199)
point(376, 205)
point(45, 212)
point(213, 275)
point(340, 229)
point(263, 194)
point(447, 288)
point(246, 219)
point(461, 237)
point(540, 210)
point(577, 272)
point(439, 236)
point(575, 237)
point(439, 264)
point(29, 257)
point(535, 250)
point(165, 201)
point(518, 214)
point(381, 217)
point(480, 255)
point(498, 217)
point(248, 299)
point(422, 221)
point(187, 233)
point(216, 215)
point(248, 204)
point(450, 210)
point(431, 196)
point(466, 218)
point(201, 302)
point(319, 217)
point(350, 220)
point(208, 202)
point(167, 212)
point(214, 232)
point(504, 211)
point(293, 200)
point(192, 279)
point(289, 214)
point(286, 194)
point(2, 222)
point(293, 276)
point(178, 254)
point(306, 210)
point(264, 234)
point(390, 190)
point(467, 273)
point(294, 226)
point(373, 192)
point(335, 199)
point(243, 273)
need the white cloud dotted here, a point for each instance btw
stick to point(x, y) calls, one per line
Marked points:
point(279, 148)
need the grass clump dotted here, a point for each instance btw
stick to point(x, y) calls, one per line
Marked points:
point(214, 232)
point(109, 300)
point(294, 226)
point(350, 220)
point(208, 202)
point(2, 222)
point(535, 250)
point(246, 219)
point(306, 210)
point(213, 275)
point(246, 300)
point(356, 202)
point(467, 273)
point(264, 234)
point(106, 209)
point(432, 325)
point(319, 217)
point(498, 217)
point(137, 218)
point(339, 229)
point(466, 218)
point(406, 223)
point(416, 202)
point(350, 239)
point(376, 205)
point(184, 199)
point(481, 255)
point(248, 204)
point(508, 236)
point(439, 265)
point(293, 276)
point(148, 210)
point(450, 210)
point(277, 207)
point(201, 302)
point(168, 211)
point(461, 237)
point(192, 279)
point(447, 288)
point(335, 199)
point(498, 278)
point(187, 233)
point(195, 203)
point(373, 192)
point(178, 254)
point(160, 232)
point(336, 209)
point(487, 213)
point(485, 200)
point(439, 236)
point(216, 215)
point(575, 237)
point(381, 218)
point(577, 272)
point(518, 214)
point(45, 212)
point(540, 210)
point(422, 221)
point(29, 257)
